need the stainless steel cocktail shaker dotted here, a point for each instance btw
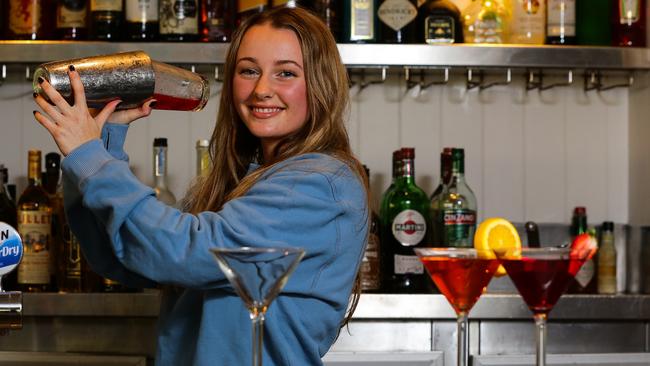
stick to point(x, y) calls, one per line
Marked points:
point(131, 77)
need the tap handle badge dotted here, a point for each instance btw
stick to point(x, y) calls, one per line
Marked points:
point(11, 249)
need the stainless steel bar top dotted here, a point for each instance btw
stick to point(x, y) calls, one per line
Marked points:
point(371, 306)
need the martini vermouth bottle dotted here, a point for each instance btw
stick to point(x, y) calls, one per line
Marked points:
point(404, 226)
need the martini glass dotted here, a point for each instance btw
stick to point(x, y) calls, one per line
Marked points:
point(542, 275)
point(258, 275)
point(461, 274)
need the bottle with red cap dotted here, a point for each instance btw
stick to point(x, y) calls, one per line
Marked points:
point(404, 226)
point(585, 281)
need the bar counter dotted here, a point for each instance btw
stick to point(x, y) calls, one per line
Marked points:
point(403, 330)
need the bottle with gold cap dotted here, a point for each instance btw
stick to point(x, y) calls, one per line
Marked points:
point(35, 227)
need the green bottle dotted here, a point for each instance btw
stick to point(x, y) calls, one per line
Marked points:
point(445, 178)
point(456, 209)
point(397, 163)
point(593, 22)
point(404, 226)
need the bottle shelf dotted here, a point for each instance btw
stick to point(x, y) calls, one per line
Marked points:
point(356, 55)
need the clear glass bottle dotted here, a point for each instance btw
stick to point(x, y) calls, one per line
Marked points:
point(486, 21)
point(370, 269)
point(439, 22)
point(607, 260)
point(561, 22)
point(528, 22)
point(35, 228)
point(202, 158)
point(404, 226)
point(360, 23)
point(445, 178)
point(160, 171)
point(456, 212)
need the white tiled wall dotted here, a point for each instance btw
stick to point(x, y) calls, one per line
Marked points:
point(529, 156)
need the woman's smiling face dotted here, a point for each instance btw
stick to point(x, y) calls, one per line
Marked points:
point(269, 87)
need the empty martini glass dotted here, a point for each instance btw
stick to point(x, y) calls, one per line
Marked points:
point(542, 275)
point(461, 274)
point(258, 275)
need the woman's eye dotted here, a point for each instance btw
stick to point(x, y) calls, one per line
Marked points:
point(287, 74)
point(247, 72)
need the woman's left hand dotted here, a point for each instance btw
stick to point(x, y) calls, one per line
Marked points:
point(70, 126)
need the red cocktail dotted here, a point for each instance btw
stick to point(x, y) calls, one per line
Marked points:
point(461, 274)
point(541, 276)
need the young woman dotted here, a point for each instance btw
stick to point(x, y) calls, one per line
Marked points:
point(282, 175)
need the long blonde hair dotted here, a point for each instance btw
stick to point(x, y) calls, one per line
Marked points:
point(233, 147)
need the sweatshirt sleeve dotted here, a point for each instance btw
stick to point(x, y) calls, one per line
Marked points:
point(95, 244)
point(291, 206)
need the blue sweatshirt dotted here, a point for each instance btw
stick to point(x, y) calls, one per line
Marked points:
point(311, 201)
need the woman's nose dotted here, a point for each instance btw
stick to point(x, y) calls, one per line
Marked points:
point(263, 88)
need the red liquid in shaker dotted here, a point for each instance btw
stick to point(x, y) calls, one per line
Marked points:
point(166, 102)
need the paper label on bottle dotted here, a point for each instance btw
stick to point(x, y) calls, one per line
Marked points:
point(439, 29)
point(71, 14)
point(24, 16)
point(488, 31)
point(369, 270)
point(561, 18)
point(106, 5)
point(362, 25)
point(397, 13)
point(71, 254)
point(141, 11)
point(528, 20)
point(630, 11)
point(408, 264)
point(586, 273)
point(409, 227)
point(35, 229)
point(11, 248)
point(458, 227)
point(178, 17)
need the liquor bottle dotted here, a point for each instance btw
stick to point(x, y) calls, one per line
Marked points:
point(456, 212)
point(585, 280)
point(329, 11)
point(593, 26)
point(532, 234)
point(439, 22)
point(404, 226)
point(35, 228)
point(629, 23)
point(141, 20)
point(202, 158)
point(607, 260)
point(370, 270)
point(217, 20)
point(396, 168)
point(527, 25)
point(72, 19)
point(8, 216)
point(360, 23)
point(485, 21)
point(179, 20)
point(106, 19)
point(445, 178)
point(397, 21)
point(561, 22)
point(160, 171)
point(51, 183)
point(30, 19)
point(246, 8)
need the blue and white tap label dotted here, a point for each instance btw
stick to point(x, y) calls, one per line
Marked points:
point(11, 248)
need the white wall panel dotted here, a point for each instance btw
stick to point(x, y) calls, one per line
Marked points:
point(529, 156)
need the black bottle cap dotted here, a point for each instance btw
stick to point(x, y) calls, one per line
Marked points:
point(160, 141)
point(52, 161)
point(608, 226)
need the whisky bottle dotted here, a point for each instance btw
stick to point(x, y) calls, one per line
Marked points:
point(35, 228)
point(160, 171)
point(30, 19)
point(141, 20)
point(456, 211)
point(72, 19)
point(439, 22)
point(106, 19)
point(179, 20)
point(404, 226)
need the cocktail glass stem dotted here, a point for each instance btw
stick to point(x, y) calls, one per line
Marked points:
point(540, 325)
point(257, 320)
point(463, 339)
